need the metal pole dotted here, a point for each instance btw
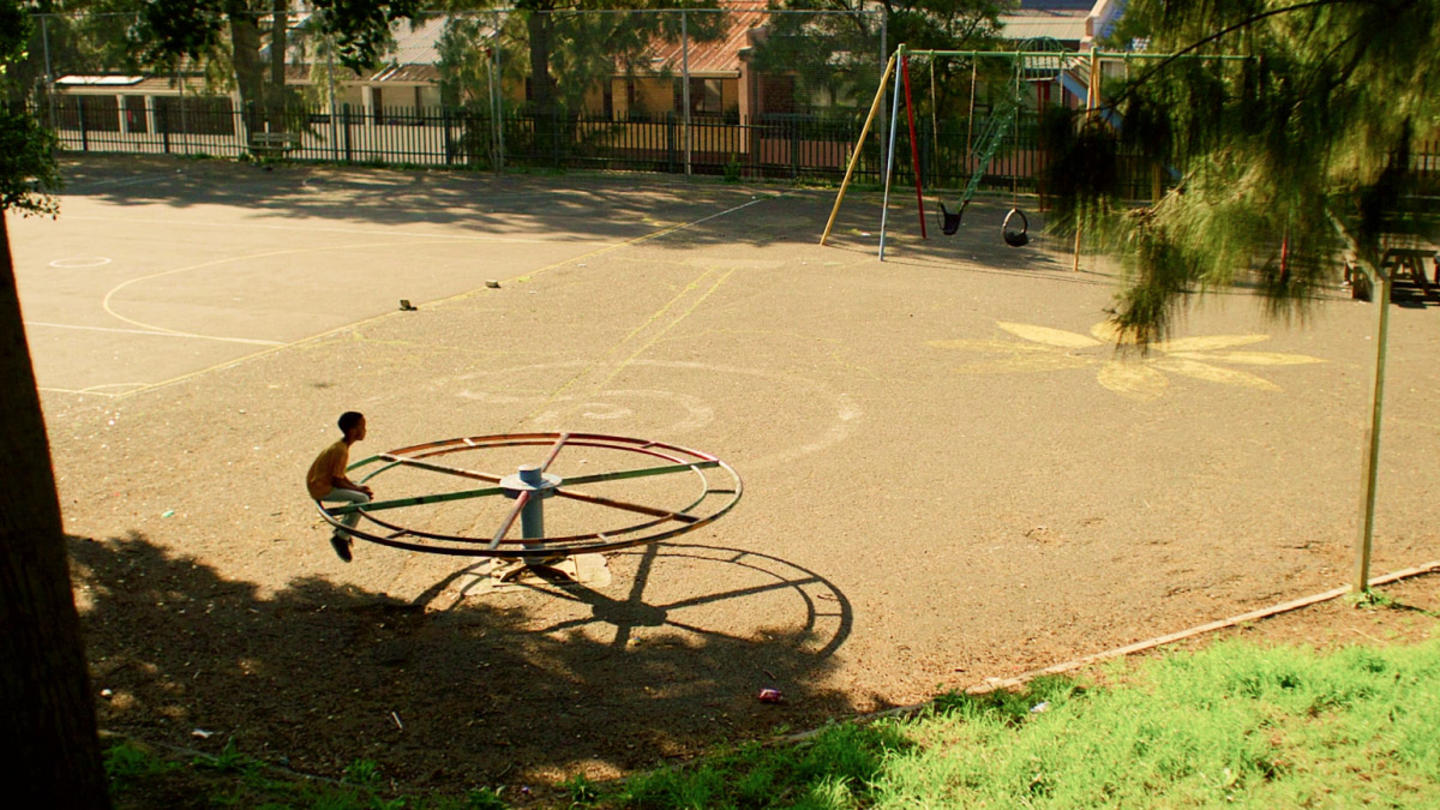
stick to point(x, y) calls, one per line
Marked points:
point(499, 109)
point(884, 53)
point(685, 78)
point(970, 117)
point(532, 516)
point(330, 76)
point(914, 143)
point(49, 73)
point(494, 110)
point(890, 157)
point(1092, 91)
point(1372, 446)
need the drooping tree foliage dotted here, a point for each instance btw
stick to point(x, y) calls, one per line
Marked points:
point(245, 31)
point(564, 49)
point(834, 55)
point(1274, 163)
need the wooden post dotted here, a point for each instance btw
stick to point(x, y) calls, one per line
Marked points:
point(1372, 444)
point(859, 145)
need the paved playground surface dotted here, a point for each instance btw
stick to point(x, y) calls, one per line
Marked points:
point(950, 475)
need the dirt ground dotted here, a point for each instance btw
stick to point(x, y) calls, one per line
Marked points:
point(949, 474)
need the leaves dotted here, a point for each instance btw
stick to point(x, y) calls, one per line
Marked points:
point(1311, 119)
point(27, 150)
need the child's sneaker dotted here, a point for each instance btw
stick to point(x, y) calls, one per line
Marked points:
point(341, 546)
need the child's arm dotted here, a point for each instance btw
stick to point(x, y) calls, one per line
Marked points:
point(339, 480)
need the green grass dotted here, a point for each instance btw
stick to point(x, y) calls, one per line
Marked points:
point(1234, 725)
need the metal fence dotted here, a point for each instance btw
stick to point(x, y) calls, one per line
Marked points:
point(776, 146)
point(742, 90)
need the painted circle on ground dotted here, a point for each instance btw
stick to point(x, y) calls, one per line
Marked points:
point(672, 412)
point(80, 262)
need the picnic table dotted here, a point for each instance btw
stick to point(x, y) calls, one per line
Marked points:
point(1403, 257)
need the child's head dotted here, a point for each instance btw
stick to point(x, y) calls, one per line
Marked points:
point(352, 424)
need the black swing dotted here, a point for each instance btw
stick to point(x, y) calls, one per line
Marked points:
point(997, 126)
point(950, 223)
point(1016, 234)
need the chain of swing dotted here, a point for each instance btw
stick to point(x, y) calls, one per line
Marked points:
point(1004, 119)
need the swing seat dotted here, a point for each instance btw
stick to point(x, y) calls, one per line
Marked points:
point(1016, 237)
point(950, 223)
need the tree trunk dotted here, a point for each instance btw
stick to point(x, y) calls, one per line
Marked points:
point(47, 719)
point(249, 75)
point(542, 91)
point(278, 42)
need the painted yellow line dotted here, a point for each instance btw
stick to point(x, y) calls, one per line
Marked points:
point(375, 319)
point(622, 364)
point(307, 229)
point(666, 231)
point(673, 323)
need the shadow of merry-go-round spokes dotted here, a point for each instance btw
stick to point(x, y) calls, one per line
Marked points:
point(717, 489)
point(828, 615)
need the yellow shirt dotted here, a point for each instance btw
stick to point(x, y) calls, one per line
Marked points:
point(328, 466)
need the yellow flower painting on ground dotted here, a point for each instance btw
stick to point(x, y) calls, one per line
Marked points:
point(1141, 377)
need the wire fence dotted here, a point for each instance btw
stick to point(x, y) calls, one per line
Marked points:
point(744, 92)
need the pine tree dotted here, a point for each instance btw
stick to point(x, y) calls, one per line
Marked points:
point(1278, 162)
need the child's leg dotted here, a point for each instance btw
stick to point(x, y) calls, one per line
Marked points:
point(338, 495)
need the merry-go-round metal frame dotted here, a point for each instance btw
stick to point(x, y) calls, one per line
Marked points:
point(720, 488)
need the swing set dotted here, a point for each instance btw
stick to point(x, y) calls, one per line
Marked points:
point(1040, 62)
point(999, 127)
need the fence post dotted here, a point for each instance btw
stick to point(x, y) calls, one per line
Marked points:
point(345, 113)
point(794, 148)
point(670, 142)
point(49, 73)
point(164, 122)
point(84, 133)
point(445, 129)
point(555, 134)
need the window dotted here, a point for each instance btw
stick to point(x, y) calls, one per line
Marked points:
point(706, 97)
point(709, 100)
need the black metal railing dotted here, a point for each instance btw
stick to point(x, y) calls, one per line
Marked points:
point(789, 146)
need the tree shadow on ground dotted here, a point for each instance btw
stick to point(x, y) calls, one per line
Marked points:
point(319, 675)
point(577, 207)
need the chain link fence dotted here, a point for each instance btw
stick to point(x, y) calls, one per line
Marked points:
point(743, 91)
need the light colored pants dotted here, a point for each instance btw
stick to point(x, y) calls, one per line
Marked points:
point(338, 495)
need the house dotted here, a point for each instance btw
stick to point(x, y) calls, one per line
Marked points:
point(1064, 26)
point(721, 84)
point(1075, 24)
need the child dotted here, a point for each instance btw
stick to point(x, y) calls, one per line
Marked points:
point(327, 481)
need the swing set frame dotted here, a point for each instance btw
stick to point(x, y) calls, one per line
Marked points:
point(898, 68)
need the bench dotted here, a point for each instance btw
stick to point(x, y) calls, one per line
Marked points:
point(273, 144)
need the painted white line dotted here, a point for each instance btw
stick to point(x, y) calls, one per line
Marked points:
point(83, 393)
point(352, 326)
point(157, 333)
point(88, 261)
